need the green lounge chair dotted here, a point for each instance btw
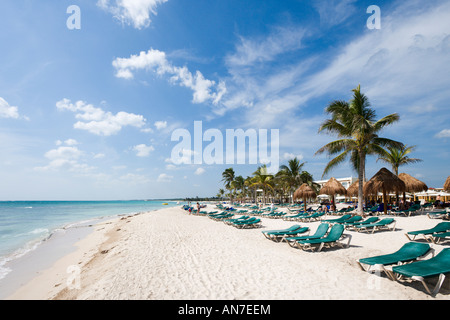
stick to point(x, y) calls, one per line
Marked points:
point(294, 217)
point(294, 227)
point(241, 218)
point(250, 223)
point(428, 233)
point(350, 225)
point(334, 237)
point(280, 235)
point(441, 237)
point(437, 266)
point(321, 231)
point(383, 224)
point(339, 220)
point(409, 252)
point(316, 216)
point(353, 219)
point(437, 214)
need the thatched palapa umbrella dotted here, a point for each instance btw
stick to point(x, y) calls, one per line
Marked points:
point(447, 184)
point(333, 187)
point(386, 182)
point(353, 189)
point(412, 184)
point(304, 192)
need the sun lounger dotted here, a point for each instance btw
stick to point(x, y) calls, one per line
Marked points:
point(292, 228)
point(339, 220)
point(280, 235)
point(428, 233)
point(409, 252)
point(321, 231)
point(250, 223)
point(383, 224)
point(241, 218)
point(335, 237)
point(437, 266)
point(409, 211)
point(353, 219)
point(437, 214)
point(294, 217)
point(312, 217)
point(439, 237)
point(354, 225)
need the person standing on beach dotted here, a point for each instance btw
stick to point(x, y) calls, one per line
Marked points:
point(198, 207)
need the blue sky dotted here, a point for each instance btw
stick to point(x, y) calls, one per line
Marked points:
point(88, 113)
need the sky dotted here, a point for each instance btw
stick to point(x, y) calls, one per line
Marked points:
point(95, 95)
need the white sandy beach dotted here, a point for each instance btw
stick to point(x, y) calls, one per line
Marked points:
point(169, 254)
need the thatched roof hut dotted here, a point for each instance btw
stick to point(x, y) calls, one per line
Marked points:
point(386, 182)
point(304, 192)
point(412, 184)
point(333, 187)
point(447, 184)
point(353, 189)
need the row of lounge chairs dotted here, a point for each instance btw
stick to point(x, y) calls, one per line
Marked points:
point(243, 222)
point(438, 233)
point(305, 216)
point(370, 224)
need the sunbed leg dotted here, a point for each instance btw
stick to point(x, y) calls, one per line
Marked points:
point(438, 284)
point(421, 279)
point(436, 288)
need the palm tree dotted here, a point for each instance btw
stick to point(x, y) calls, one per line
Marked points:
point(238, 184)
point(397, 157)
point(291, 173)
point(228, 177)
point(263, 179)
point(355, 123)
point(221, 193)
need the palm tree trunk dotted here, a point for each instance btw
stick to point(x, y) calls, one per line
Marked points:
point(362, 160)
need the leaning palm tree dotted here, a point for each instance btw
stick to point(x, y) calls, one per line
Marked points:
point(397, 157)
point(355, 123)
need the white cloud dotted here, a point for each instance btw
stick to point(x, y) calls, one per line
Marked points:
point(143, 150)
point(99, 155)
point(444, 134)
point(334, 12)
point(97, 121)
point(260, 50)
point(160, 124)
point(65, 158)
point(134, 179)
point(155, 60)
point(135, 12)
point(289, 156)
point(7, 111)
point(199, 171)
point(163, 177)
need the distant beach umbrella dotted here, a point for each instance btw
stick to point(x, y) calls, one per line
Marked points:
point(333, 187)
point(447, 184)
point(384, 181)
point(304, 192)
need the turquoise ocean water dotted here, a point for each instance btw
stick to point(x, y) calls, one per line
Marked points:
point(24, 225)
